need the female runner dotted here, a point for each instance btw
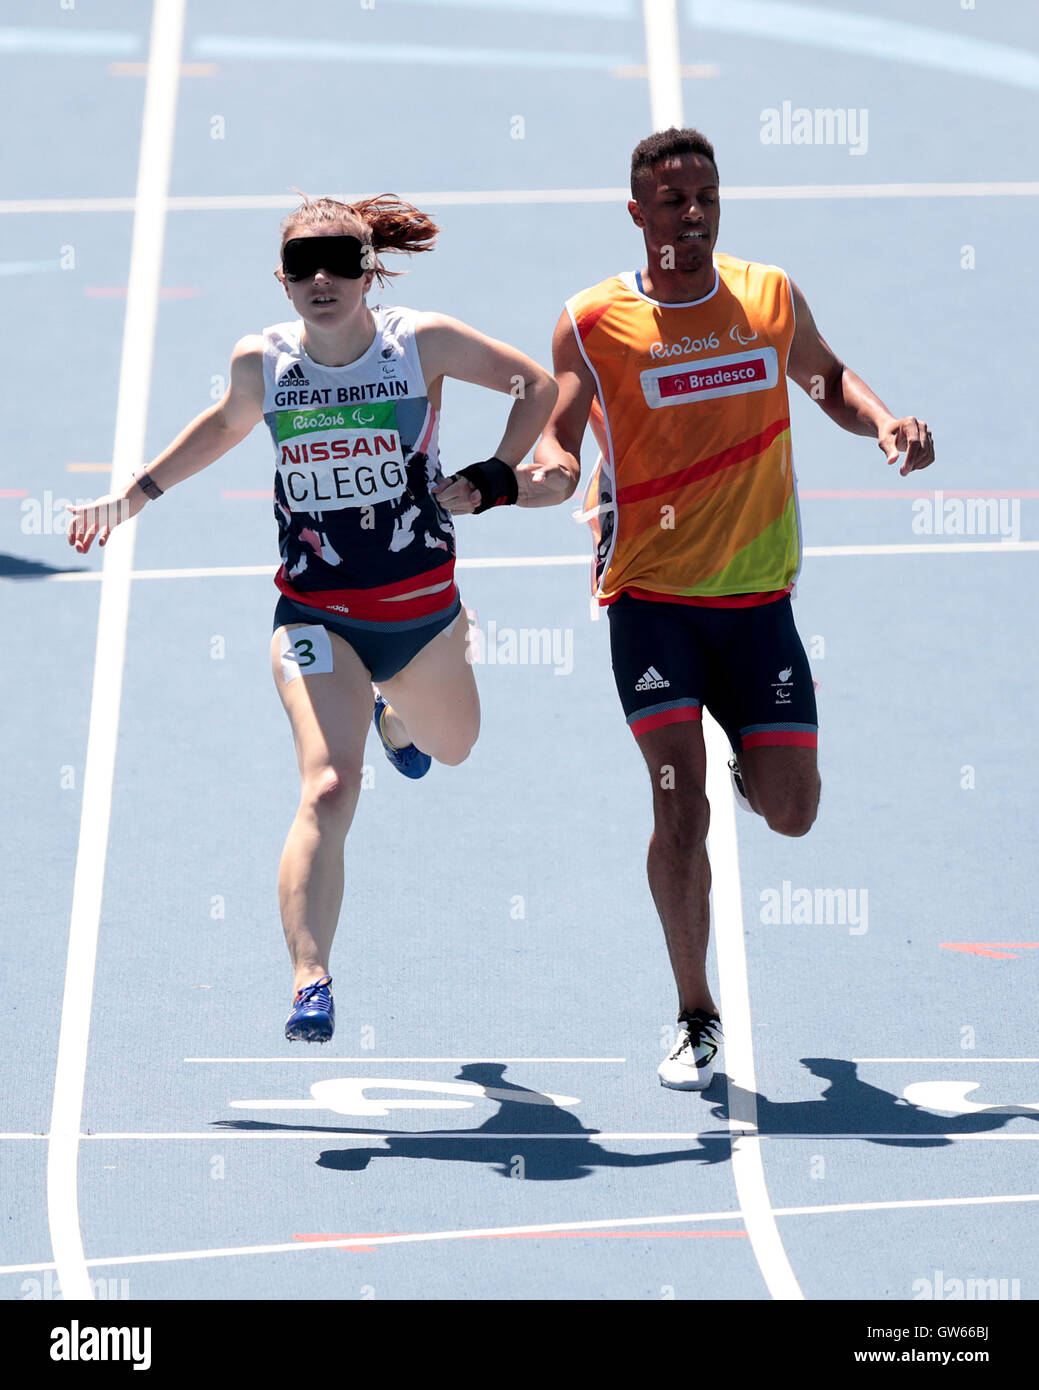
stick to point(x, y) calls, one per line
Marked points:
point(351, 395)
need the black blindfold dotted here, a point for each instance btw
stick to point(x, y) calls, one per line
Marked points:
point(338, 255)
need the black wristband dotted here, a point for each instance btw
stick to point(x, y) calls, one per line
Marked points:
point(148, 487)
point(495, 481)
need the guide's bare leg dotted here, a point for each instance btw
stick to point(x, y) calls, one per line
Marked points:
point(433, 700)
point(782, 784)
point(679, 872)
point(330, 714)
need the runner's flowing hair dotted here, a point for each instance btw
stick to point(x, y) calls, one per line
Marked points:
point(385, 223)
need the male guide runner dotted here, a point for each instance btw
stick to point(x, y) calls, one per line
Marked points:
point(681, 368)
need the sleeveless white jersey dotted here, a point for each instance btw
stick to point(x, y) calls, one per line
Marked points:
point(355, 457)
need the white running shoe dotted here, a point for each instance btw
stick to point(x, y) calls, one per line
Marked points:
point(689, 1066)
point(737, 787)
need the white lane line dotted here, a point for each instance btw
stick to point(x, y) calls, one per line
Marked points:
point(55, 39)
point(660, 20)
point(812, 552)
point(277, 202)
point(492, 1231)
point(128, 450)
point(250, 571)
point(921, 548)
point(968, 1061)
point(914, 1203)
point(286, 49)
point(452, 1060)
point(892, 40)
point(67, 205)
point(727, 907)
point(412, 1238)
point(766, 192)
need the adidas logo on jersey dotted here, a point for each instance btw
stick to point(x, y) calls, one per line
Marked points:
point(651, 680)
point(294, 374)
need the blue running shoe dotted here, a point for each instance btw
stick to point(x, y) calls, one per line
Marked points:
point(409, 760)
point(313, 1017)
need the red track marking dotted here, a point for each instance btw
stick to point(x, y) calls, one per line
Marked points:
point(539, 1235)
point(248, 494)
point(13, 492)
point(119, 292)
point(984, 948)
point(900, 494)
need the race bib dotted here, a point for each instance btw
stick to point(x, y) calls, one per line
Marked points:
point(334, 457)
point(305, 651)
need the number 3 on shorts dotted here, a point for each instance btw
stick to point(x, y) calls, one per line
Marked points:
point(305, 651)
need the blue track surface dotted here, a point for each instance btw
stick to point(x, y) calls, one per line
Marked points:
point(497, 928)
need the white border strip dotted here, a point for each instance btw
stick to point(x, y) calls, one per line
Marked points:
point(495, 197)
point(747, 1168)
point(160, 105)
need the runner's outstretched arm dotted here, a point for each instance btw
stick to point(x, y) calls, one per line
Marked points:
point(846, 398)
point(199, 444)
point(553, 474)
point(450, 348)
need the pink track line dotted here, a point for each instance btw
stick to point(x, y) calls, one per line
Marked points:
point(13, 492)
point(247, 494)
point(998, 950)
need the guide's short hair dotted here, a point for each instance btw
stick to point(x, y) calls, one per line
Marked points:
point(665, 144)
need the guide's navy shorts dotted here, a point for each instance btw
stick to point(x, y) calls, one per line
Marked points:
point(747, 666)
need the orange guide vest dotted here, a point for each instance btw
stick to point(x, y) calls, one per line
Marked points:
point(693, 495)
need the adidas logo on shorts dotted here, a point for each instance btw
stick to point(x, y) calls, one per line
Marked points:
point(651, 680)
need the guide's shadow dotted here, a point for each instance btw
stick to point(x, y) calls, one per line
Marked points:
point(850, 1106)
point(564, 1148)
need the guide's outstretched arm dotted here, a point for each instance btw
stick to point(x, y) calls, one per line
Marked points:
point(198, 445)
point(555, 470)
point(846, 398)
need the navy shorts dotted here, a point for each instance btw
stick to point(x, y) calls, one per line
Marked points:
point(385, 648)
point(746, 665)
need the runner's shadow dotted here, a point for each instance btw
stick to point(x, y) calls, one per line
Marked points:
point(849, 1106)
point(575, 1154)
point(564, 1148)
